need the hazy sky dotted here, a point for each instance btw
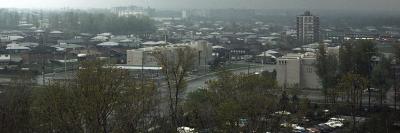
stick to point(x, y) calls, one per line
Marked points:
point(389, 5)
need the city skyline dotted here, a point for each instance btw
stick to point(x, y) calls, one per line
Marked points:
point(382, 5)
point(186, 66)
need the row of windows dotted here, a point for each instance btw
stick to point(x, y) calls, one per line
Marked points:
point(238, 51)
point(309, 70)
point(282, 62)
point(307, 19)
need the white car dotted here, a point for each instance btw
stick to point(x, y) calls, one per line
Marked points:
point(185, 130)
point(371, 89)
point(282, 113)
point(297, 128)
point(334, 124)
point(336, 119)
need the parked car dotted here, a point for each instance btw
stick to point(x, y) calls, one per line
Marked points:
point(323, 128)
point(334, 124)
point(371, 89)
point(298, 129)
point(313, 130)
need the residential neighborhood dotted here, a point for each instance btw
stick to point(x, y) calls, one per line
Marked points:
point(126, 67)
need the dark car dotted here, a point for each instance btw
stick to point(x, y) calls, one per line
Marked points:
point(324, 128)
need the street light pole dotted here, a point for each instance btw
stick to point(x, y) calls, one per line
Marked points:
point(199, 62)
point(369, 83)
point(142, 70)
point(370, 54)
point(395, 67)
point(65, 63)
point(395, 87)
point(205, 62)
point(248, 68)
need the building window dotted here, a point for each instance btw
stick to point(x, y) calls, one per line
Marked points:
point(310, 70)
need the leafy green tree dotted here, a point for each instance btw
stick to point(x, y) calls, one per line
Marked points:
point(284, 101)
point(99, 90)
point(245, 103)
point(345, 59)
point(356, 57)
point(352, 86)
point(381, 77)
point(326, 65)
point(200, 111)
point(376, 124)
point(101, 99)
point(363, 52)
point(55, 108)
point(15, 102)
point(137, 111)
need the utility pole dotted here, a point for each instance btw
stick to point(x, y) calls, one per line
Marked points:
point(142, 71)
point(65, 64)
point(395, 67)
point(369, 84)
point(199, 59)
point(264, 61)
point(370, 61)
point(142, 85)
point(205, 62)
point(248, 68)
point(286, 82)
point(395, 87)
point(353, 104)
point(395, 93)
point(43, 79)
point(42, 56)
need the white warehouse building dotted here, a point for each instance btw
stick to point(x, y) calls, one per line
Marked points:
point(296, 70)
point(144, 56)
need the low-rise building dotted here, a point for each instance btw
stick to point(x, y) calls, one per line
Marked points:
point(141, 57)
point(145, 57)
point(15, 48)
point(4, 59)
point(297, 71)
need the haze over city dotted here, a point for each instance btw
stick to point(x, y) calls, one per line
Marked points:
point(381, 5)
point(200, 66)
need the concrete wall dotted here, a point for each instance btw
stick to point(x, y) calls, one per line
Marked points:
point(202, 52)
point(288, 72)
point(295, 70)
point(139, 57)
point(309, 76)
point(134, 57)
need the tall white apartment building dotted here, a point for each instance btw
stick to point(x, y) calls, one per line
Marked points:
point(308, 28)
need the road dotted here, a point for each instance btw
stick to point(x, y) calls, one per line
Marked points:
point(316, 96)
point(54, 76)
point(195, 83)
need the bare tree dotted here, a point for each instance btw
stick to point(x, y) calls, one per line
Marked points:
point(352, 85)
point(14, 104)
point(175, 63)
point(101, 99)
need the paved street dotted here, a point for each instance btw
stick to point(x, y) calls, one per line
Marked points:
point(199, 81)
point(196, 82)
point(54, 76)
